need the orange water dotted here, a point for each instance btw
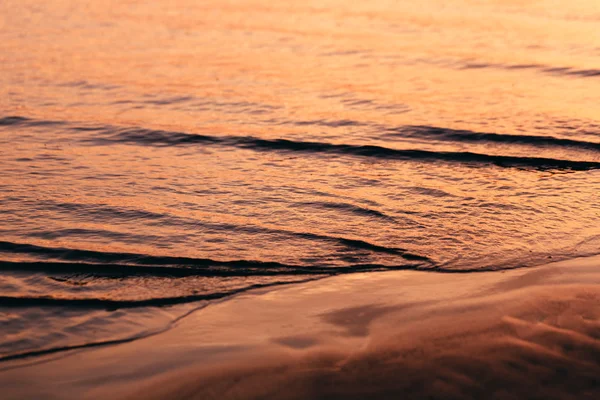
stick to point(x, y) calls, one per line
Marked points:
point(265, 142)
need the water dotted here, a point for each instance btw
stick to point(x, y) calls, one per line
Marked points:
point(174, 153)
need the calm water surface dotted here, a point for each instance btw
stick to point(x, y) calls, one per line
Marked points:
point(174, 152)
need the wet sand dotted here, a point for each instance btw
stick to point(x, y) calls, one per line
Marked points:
point(527, 333)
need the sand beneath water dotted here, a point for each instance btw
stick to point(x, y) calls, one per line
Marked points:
point(521, 334)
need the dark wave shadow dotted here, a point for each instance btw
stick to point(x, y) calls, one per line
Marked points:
point(76, 255)
point(111, 305)
point(164, 138)
point(22, 121)
point(564, 71)
point(347, 208)
point(467, 136)
point(161, 138)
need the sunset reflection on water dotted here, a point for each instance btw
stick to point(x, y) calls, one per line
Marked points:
point(255, 144)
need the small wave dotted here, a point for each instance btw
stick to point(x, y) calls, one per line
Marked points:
point(240, 268)
point(456, 135)
point(165, 138)
point(83, 84)
point(102, 303)
point(103, 211)
point(75, 255)
point(129, 237)
point(213, 269)
point(584, 73)
point(349, 208)
point(123, 271)
point(342, 123)
point(16, 120)
point(430, 191)
point(94, 211)
point(153, 137)
point(565, 71)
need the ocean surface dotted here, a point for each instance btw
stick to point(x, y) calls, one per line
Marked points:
point(157, 156)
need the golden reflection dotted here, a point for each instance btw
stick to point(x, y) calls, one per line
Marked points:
point(160, 156)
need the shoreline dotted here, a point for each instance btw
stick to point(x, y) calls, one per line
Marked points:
point(354, 336)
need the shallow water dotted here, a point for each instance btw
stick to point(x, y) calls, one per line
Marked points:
point(175, 152)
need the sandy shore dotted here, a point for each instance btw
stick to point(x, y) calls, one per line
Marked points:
point(529, 333)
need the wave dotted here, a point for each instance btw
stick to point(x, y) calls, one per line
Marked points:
point(16, 120)
point(129, 237)
point(342, 123)
point(167, 138)
point(241, 268)
point(110, 304)
point(92, 211)
point(118, 271)
point(460, 135)
point(564, 71)
point(65, 254)
point(123, 271)
point(346, 207)
point(157, 137)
